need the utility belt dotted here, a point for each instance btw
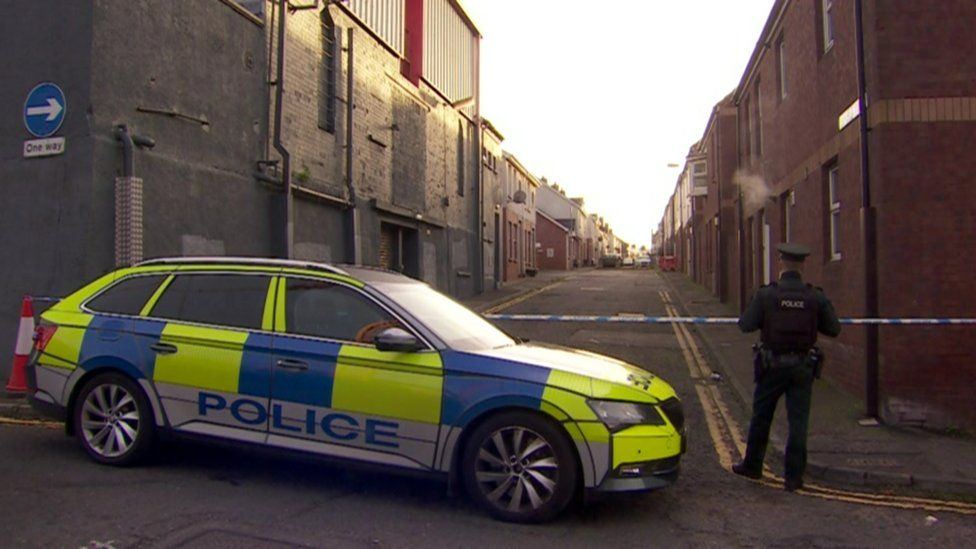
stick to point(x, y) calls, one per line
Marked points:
point(767, 359)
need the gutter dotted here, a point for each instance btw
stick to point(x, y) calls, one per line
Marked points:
point(352, 216)
point(289, 229)
point(869, 239)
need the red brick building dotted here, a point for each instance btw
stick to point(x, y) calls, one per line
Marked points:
point(711, 164)
point(554, 240)
point(800, 178)
point(519, 218)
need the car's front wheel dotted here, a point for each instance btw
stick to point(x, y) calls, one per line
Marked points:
point(520, 467)
point(113, 420)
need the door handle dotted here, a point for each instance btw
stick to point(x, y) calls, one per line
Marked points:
point(163, 348)
point(289, 364)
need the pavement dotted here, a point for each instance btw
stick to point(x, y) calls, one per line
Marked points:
point(841, 451)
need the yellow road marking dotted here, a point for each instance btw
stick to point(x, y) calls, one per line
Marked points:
point(714, 407)
point(32, 423)
point(696, 372)
point(722, 425)
point(733, 425)
point(516, 300)
point(724, 455)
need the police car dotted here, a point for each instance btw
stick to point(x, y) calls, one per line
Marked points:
point(350, 363)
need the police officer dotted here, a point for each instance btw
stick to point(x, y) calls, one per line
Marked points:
point(789, 313)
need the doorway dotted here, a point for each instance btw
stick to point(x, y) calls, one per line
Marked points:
point(400, 249)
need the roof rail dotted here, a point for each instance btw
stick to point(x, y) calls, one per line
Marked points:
point(297, 264)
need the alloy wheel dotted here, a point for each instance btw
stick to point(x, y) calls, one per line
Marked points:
point(517, 469)
point(110, 420)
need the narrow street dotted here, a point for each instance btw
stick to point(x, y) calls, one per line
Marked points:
point(196, 495)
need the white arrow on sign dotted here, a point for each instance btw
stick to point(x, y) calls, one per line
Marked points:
point(52, 109)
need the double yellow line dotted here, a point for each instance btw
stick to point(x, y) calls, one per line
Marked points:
point(727, 438)
point(519, 298)
point(32, 423)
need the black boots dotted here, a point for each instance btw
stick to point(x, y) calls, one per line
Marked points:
point(742, 470)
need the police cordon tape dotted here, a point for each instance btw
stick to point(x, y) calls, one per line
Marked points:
point(641, 319)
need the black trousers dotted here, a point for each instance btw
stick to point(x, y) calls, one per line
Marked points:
point(797, 383)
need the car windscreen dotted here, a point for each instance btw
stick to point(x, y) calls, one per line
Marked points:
point(459, 327)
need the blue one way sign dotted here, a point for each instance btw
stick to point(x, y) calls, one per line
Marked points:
point(44, 109)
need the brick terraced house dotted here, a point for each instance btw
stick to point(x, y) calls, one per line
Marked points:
point(893, 237)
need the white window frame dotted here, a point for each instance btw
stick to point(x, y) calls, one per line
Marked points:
point(834, 201)
point(826, 9)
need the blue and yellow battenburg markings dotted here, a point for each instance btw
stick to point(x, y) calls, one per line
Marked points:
point(350, 394)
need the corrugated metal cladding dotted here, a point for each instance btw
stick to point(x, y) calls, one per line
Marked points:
point(384, 17)
point(449, 47)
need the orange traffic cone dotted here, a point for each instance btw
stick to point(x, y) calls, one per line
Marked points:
point(18, 375)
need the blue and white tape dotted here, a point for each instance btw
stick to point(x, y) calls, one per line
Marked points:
point(640, 319)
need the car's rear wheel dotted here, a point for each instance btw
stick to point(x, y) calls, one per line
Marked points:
point(520, 467)
point(113, 420)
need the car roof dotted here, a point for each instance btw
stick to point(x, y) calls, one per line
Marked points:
point(366, 274)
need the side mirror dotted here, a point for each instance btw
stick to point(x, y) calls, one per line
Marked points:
point(396, 340)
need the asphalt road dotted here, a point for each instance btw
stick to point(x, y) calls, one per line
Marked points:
point(204, 496)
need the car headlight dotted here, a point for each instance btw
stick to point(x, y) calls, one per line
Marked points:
point(617, 415)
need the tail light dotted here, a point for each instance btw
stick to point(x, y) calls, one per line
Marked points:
point(42, 335)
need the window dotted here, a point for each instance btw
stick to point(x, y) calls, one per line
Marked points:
point(699, 174)
point(512, 242)
point(219, 299)
point(323, 309)
point(128, 296)
point(330, 67)
point(781, 67)
point(456, 326)
point(827, 23)
point(833, 199)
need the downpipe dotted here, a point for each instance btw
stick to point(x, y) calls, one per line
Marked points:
point(289, 226)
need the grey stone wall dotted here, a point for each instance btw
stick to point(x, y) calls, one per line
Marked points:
point(194, 76)
point(202, 65)
point(47, 209)
point(405, 144)
point(194, 81)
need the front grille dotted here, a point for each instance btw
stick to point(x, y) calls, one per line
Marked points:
point(676, 415)
point(664, 466)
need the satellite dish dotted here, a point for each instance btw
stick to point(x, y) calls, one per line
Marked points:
point(519, 197)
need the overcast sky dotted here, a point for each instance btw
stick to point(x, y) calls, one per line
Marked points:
point(600, 96)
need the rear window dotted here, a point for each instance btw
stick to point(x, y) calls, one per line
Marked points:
point(219, 299)
point(128, 296)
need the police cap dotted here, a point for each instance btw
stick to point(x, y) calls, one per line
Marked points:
point(793, 252)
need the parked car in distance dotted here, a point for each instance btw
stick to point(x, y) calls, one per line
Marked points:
point(643, 261)
point(628, 262)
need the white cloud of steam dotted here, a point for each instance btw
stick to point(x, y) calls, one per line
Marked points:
point(754, 189)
